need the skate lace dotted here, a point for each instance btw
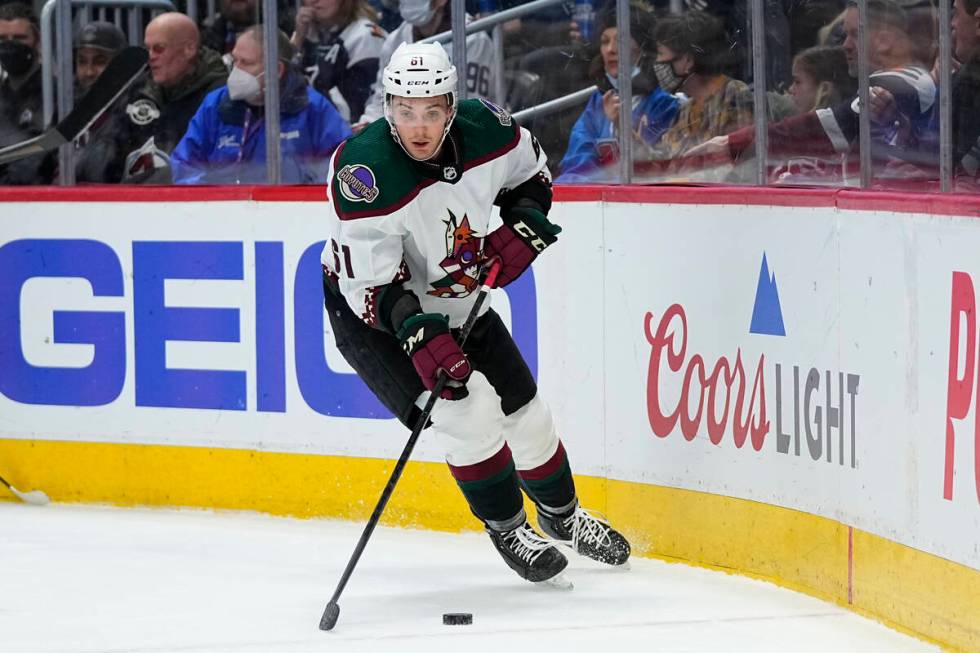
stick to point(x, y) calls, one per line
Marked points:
point(527, 544)
point(586, 526)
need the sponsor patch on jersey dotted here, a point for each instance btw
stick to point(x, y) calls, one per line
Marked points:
point(502, 116)
point(142, 112)
point(357, 183)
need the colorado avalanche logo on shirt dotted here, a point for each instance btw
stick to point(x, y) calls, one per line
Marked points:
point(357, 183)
point(502, 116)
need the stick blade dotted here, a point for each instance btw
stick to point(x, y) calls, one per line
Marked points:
point(128, 64)
point(34, 497)
point(330, 615)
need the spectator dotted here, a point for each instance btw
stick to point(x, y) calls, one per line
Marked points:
point(182, 73)
point(21, 115)
point(221, 32)
point(225, 142)
point(966, 92)
point(424, 18)
point(96, 156)
point(95, 46)
point(903, 98)
point(820, 80)
point(340, 44)
point(692, 52)
point(593, 146)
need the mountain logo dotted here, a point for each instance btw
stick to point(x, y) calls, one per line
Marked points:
point(767, 315)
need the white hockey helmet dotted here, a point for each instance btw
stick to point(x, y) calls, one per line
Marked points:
point(419, 70)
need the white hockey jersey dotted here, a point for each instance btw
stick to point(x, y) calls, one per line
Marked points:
point(480, 68)
point(342, 64)
point(388, 221)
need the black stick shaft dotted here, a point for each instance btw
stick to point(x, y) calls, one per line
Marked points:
point(327, 622)
point(126, 66)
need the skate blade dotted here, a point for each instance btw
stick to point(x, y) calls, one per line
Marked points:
point(557, 582)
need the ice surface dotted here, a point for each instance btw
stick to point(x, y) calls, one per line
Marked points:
point(77, 579)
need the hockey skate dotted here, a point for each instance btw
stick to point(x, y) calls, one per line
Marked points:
point(533, 557)
point(587, 535)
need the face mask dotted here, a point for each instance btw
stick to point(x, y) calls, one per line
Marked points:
point(416, 12)
point(243, 85)
point(669, 80)
point(612, 80)
point(16, 58)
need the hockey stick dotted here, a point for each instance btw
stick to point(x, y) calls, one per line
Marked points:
point(34, 497)
point(332, 611)
point(121, 72)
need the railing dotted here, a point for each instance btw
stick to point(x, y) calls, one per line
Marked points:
point(61, 54)
point(492, 23)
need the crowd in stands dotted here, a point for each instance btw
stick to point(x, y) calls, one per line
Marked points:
point(198, 115)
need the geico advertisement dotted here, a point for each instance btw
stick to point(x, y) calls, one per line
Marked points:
point(795, 357)
point(197, 324)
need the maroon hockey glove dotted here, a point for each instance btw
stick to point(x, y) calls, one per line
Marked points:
point(525, 233)
point(427, 339)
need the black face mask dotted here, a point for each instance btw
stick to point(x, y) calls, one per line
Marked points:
point(16, 58)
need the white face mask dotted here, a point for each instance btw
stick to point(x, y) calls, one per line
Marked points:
point(243, 85)
point(416, 12)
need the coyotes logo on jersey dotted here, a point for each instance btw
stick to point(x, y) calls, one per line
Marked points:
point(462, 263)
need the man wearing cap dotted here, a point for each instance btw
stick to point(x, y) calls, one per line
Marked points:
point(97, 154)
point(97, 43)
point(225, 140)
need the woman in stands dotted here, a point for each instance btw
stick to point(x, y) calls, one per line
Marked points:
point(593, 145)
point(339, 44)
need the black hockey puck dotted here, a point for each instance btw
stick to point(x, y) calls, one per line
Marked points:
point(457, 619)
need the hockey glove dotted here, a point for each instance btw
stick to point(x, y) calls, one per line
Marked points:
point(426, 338)
point(526, 232)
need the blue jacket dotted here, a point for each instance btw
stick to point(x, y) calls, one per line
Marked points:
point(651, 118)
point(225, 140)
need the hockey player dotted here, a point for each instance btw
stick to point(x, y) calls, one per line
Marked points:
point(408, 232)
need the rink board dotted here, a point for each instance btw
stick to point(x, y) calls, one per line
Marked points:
point(781, 383)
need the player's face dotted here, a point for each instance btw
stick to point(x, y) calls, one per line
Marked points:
point(89, 64)
point(803, 90)
point(420, 123)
